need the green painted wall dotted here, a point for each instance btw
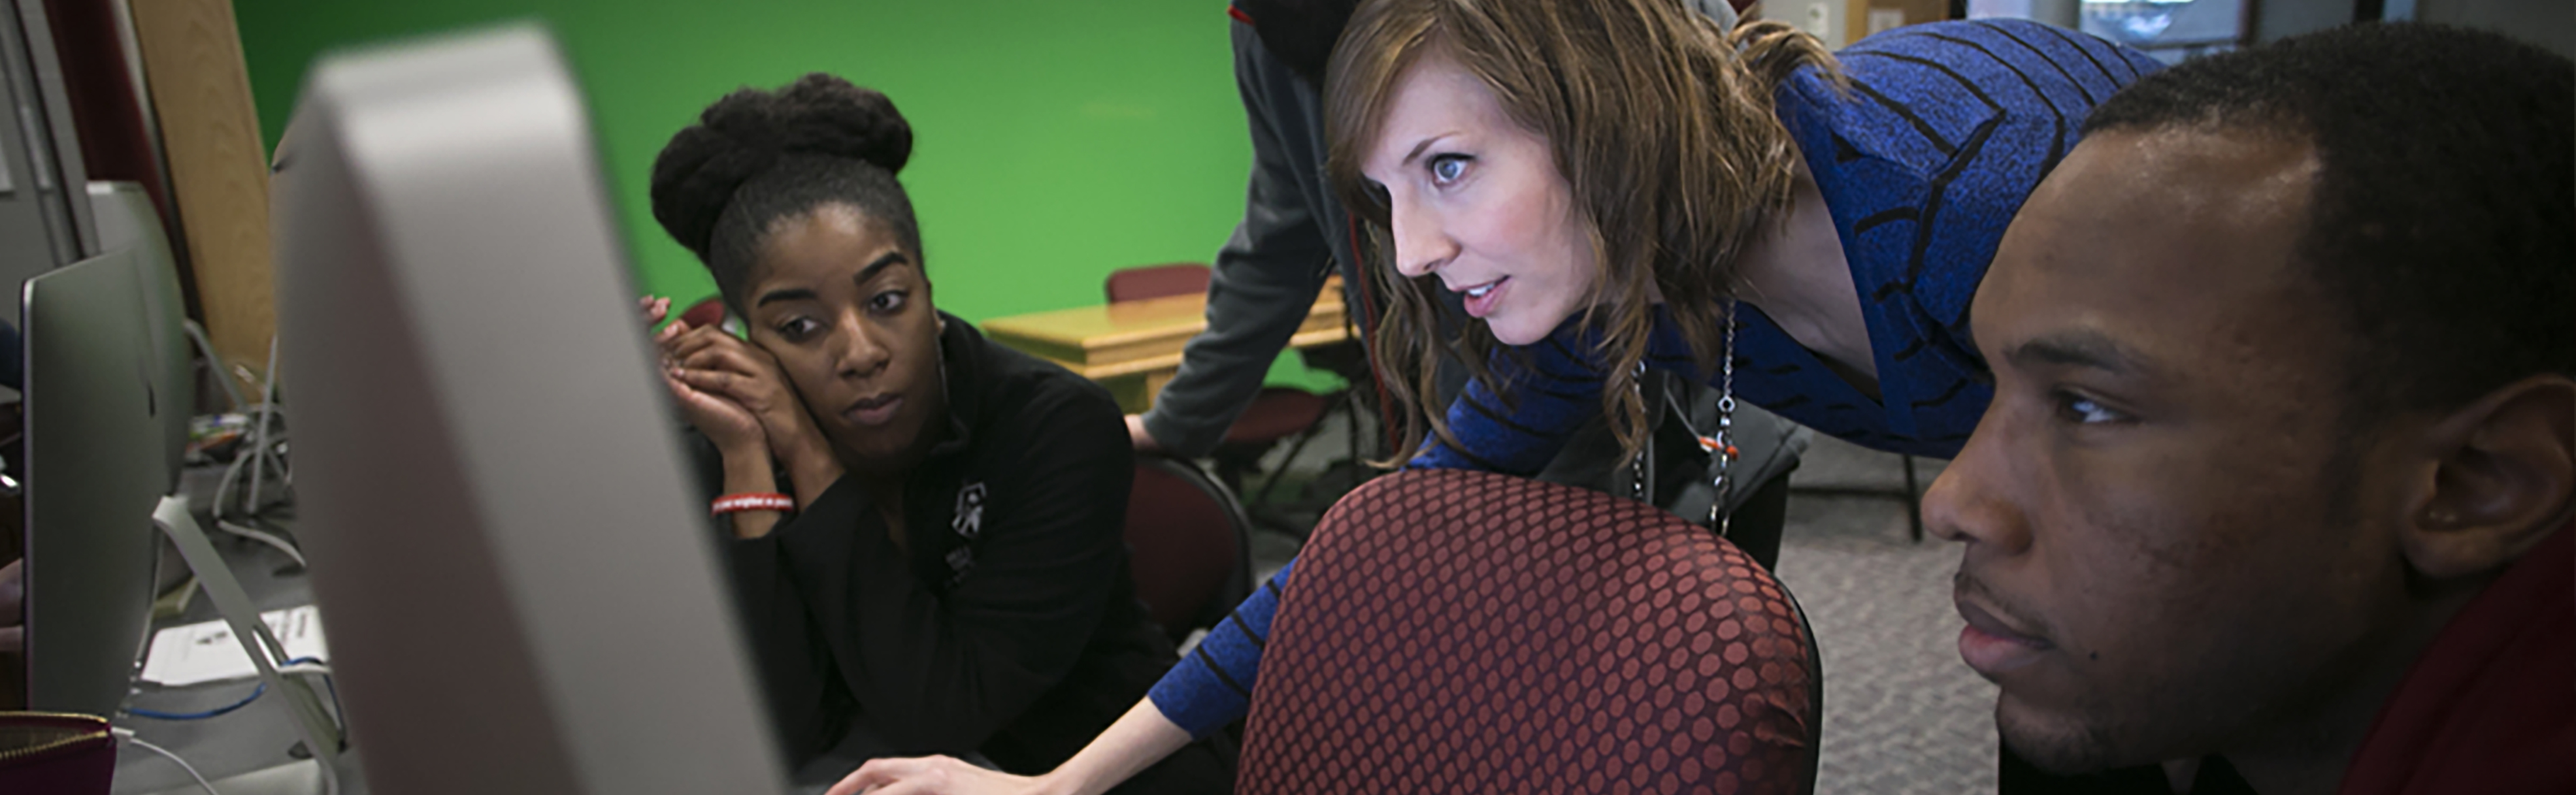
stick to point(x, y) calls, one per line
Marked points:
point(1054, 141)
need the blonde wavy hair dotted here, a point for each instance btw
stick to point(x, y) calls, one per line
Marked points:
point(1663, 126)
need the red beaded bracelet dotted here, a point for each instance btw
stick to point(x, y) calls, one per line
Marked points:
point(736, 503)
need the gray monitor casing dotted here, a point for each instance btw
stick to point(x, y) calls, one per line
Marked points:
point(522, 597)
point(94, 473)
point(126, 219)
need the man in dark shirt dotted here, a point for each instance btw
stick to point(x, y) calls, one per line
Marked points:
point(2280, 467)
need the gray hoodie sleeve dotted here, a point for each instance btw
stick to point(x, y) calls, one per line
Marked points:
point(1269, 272)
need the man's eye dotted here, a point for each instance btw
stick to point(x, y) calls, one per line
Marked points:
point(888, 301)
point(1448, 168)
point(2086, 411)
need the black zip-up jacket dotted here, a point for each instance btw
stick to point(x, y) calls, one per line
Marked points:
point(1010, 628)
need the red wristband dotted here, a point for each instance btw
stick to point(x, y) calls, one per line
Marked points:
point(736, 503)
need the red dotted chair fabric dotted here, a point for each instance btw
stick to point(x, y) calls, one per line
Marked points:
point(1454, 631)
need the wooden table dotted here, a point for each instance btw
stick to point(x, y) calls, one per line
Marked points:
point(1134, 348)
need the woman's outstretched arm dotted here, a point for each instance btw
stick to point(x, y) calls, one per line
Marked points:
point(1138, 740)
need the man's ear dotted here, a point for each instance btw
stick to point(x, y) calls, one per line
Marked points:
point(2504, 479)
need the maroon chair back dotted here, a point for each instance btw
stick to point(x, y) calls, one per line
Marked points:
point(1157, 281)
point(1452, 631)
point(1188, 545)
point(705, 313)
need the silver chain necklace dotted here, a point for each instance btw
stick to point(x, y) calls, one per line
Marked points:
point(1719, 446)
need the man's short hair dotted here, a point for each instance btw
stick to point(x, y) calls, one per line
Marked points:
point(2443, 220)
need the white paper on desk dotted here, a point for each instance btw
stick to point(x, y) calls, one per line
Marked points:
point(200, 653)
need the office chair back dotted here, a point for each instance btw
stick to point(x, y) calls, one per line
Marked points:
point(1156, 281)
point(1189, 545)
point(1452, 631)
point(705, 313)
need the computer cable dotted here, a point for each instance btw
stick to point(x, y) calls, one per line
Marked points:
point(314, 665)
point(260, 449)
point(250, 456)
point(260, 454)
point(264, 440)
point(304, 666)
point(218, 711)
point(127, 735)
point(282, 545)
point(257, 458)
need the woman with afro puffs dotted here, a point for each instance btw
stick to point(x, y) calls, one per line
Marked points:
point(944, 572)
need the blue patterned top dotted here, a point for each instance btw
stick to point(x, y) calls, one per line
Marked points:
point(1947, 128)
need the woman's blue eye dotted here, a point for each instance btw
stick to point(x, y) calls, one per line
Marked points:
point(1448, 168)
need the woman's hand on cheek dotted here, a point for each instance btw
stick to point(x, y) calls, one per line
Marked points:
point(666, 340)
point(655, 309)
point(734, 430)
point(718, 363)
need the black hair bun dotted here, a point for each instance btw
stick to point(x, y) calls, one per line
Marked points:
point(750, 130)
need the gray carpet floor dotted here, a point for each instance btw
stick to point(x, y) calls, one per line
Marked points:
point(1902, 713)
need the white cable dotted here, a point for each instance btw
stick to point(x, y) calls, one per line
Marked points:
point(127, 735)
point(264, 537)
point(267, 413)
point(223, 487)
point(231, 481)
